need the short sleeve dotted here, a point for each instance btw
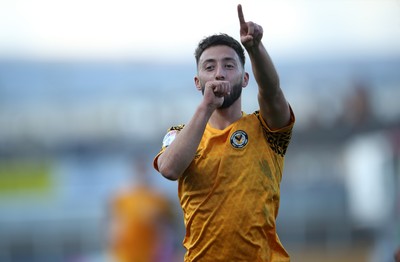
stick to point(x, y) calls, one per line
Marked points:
point(278, 139)
point(167, 140)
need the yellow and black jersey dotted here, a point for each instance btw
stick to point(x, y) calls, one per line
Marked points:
point(230, 192)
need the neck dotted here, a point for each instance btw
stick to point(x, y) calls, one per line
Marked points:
point(222, 118)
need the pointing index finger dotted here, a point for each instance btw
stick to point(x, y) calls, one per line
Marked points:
point(240, 14)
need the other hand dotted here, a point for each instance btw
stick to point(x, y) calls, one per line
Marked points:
point(250, 33)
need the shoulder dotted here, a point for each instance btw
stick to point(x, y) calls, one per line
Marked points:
point(171, 134)
point(256, 113)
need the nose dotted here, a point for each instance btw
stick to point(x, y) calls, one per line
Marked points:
point(220, 73)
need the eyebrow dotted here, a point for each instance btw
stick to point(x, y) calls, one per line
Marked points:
point(225, 59)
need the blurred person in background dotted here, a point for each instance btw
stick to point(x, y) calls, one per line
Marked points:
point(228, 163)
point(140, 223)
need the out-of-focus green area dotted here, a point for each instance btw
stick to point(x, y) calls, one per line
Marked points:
point(24, 176)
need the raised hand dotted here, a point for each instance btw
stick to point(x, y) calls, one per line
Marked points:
point(250, 32)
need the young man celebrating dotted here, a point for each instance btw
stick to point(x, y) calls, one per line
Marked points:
point(228, 163)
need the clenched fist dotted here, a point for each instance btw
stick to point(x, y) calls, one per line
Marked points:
point(215, 92)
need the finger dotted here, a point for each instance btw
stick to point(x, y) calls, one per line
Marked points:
point(240, 14)
point(259, 33)
point(226, 88)
point(218, 92)
point(250, 28)
point(260, 30)
point(221, 88)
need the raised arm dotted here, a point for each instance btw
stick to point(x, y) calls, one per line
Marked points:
point(180, 153)
point(273, 105)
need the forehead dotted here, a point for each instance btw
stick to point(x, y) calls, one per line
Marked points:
point(218, 53)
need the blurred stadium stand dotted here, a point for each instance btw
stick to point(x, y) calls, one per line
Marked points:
point(69, 132)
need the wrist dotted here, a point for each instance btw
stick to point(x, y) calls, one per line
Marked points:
point(206, 109)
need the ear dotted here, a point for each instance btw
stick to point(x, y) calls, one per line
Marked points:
point(246, 78)
point(197, 83)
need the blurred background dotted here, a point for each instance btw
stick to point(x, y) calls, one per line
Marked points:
point(89, 88)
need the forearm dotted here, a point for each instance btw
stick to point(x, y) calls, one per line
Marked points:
point(178, 156)
point(264, 70)
point(273, 105)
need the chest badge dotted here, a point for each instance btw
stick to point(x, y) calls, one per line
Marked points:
point(239, 139)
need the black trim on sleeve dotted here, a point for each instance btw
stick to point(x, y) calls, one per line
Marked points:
point(278, 141)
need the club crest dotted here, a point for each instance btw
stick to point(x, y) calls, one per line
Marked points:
point(239, 139)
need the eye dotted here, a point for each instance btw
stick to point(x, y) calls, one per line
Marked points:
point(230, 66)
point(209, 67)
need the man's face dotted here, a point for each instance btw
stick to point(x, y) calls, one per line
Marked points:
point(223, 64)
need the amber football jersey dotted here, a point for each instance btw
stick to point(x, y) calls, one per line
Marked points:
point(136, 223)
point(230, 192)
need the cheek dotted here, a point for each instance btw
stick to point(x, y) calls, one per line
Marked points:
point(239, 81)
point(205, 77)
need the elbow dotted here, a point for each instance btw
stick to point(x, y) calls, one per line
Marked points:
point(168, 172)
point(170, 167)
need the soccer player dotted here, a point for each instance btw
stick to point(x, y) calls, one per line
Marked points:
point(228, 163)
point(140, 222)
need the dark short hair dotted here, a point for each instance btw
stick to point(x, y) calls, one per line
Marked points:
point(219, 39)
